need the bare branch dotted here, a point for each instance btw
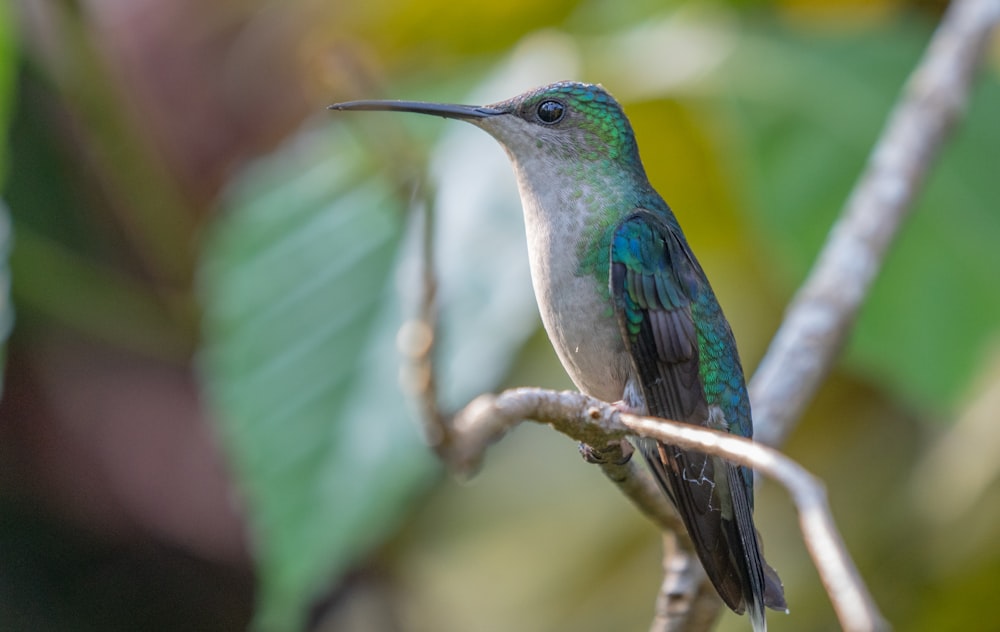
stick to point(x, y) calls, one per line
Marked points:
point(488, 417)
point(594, 422)
point(417, 338)
point(855, 607)
point(823, 310)
point(687, 600)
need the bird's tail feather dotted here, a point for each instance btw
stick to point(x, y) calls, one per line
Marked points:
point(755, 610)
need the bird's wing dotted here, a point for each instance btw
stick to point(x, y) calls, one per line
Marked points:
point(655, 283)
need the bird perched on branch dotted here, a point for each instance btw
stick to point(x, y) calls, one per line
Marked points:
point(629, 310)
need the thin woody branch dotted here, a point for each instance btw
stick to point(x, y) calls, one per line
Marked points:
point(591, 421)
point(435, 422)
point(488, 417)
point(687, 600)
point(825, 307)
point(855, 607)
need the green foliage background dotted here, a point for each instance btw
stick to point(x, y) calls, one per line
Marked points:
point(192, 210)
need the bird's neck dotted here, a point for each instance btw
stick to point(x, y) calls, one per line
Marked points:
point(569, 211)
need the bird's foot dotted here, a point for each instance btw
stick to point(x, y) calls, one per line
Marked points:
point(622, 406)
point(617, 452)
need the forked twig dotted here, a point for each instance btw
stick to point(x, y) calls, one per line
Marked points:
point(592, 421)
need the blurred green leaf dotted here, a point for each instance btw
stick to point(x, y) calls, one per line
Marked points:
point(93, 298)
point(300, 364)
point(161, 223)
point(71, 267)
point(8, 68)
point(8, 72)
point(809, 109)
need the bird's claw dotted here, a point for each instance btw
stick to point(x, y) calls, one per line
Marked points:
point(617, 452)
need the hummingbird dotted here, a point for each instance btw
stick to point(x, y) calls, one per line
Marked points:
point(629, 309)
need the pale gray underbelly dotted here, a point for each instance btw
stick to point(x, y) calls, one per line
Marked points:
point(585, 334)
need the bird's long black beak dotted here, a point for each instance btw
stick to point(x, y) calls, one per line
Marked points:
point(446, 110)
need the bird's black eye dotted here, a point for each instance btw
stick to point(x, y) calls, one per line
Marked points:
point(550, 111)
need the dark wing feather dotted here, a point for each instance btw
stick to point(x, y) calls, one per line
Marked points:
point(654, 283)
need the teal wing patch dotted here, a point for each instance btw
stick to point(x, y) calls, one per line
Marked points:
point(655, 285)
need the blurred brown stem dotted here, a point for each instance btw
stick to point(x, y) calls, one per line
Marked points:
point(687, 600)
point(436, 424)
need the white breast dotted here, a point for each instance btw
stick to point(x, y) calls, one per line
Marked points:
point(575, 308)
